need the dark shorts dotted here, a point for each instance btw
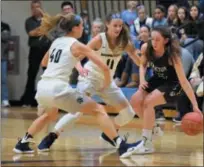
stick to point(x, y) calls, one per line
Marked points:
point(171, 89)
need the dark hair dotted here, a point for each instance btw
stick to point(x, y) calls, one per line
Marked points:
point(124, 37)
point(149, 29)
point(66, 3)
point(199, 12)
point(172, 47)
point(65, 22)
point(162, 8)
point(186, 14)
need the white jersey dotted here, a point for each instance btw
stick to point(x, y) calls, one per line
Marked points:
point(108, 56)
point(61, 61)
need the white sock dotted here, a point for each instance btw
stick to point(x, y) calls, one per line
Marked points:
point(147, 134)
point(68, 119)
point(118, 141)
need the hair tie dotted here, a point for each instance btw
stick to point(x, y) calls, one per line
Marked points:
point(116, 16)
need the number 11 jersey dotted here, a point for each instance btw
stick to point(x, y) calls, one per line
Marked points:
point(107, 55)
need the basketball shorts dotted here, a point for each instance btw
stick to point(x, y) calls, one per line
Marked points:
point(59, 94)
point(171, 89)
point(111, 96)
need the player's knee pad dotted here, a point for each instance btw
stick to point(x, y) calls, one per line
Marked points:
point(125, 116)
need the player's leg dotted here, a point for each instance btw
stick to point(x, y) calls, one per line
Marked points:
point(83, 85)
point(23, 144)
point(152, 100)
point(114, 97)
point(67, 120)
point(76, 101)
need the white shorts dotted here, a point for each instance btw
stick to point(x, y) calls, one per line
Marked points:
point(112, 95)
point(59, 94)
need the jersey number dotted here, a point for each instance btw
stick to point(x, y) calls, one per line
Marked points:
point(55, 56)
point(110, 63)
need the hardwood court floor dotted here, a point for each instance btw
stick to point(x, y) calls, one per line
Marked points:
point(80, 145)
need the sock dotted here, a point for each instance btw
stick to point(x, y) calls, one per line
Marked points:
point(67, 119)
point(117, 140)
point(27, 136)
point(156, 124)
point(147, 134)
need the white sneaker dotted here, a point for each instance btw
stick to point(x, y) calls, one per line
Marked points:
point(157, 132)
point(145, 148)
point(5, 103)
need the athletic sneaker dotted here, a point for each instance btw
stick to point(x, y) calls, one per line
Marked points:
point(144, 147)
point(125, 150)
point(157, 132)
point(23, 145)
point(177, 119)
point(47, 142)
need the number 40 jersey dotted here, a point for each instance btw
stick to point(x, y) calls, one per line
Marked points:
point(61, 61)
point(108, 56)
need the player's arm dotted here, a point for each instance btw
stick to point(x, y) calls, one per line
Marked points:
point(94, 44)
point(184, 82)
point(133, 53)
point(143, 62)
point(45, 59)
point(78, 49)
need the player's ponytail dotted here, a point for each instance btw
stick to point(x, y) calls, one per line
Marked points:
point(48, 22)
point(64, 22)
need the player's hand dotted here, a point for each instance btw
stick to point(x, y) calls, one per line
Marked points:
point(143, 85)
point(196, 109)
point(83, 72)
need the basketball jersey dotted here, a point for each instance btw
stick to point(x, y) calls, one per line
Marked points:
point(162, 69)
point(61, 61)
point(108, 56)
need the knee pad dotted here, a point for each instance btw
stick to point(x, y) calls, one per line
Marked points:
point(125, 116)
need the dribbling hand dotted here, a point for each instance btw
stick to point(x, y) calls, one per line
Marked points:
point(143, 85)
point(196, 109)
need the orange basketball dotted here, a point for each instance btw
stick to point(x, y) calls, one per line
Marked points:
point(192, 123)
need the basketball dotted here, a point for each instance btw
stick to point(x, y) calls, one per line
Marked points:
point(192, 123)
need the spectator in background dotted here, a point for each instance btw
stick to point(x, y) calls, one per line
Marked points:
point(172, 18)
point(97, 27)
point(159, 16)
point(167, 3)
point(142, 19)
point(67, 7)
point(86, 23)
point(5, 37)
point(38, 47)
point(183, 18)
point(191, 32)
point(130, 14)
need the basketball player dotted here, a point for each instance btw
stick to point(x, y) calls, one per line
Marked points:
point(53, 90)
point(163, 54)
point(110, 46)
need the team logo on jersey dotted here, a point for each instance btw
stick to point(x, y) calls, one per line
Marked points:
point(80, 100)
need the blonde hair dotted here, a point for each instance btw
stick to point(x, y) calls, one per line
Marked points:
point(65, 22)
point(99, 21)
